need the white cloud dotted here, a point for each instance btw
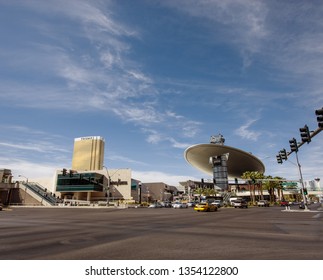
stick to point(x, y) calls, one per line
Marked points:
point(139, 76)
point(245, 132)
point(29, 169)
point(142, 116)
point(110, 60)
point(102, 79)
point(153, 176)
point(154, 137)
point(89, 13)
point(24, 146)
point(125, 159)
point(176, 144)
point(244, 21)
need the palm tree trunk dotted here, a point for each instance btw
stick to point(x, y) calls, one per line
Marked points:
point(254, 194)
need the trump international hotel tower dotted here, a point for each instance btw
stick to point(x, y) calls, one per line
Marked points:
point(88, 153)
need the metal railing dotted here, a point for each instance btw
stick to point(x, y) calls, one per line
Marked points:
point(41, 192)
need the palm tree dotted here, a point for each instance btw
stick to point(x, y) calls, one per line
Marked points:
point(273, 184)
point(278, 186)
point(210, 192)
point(269, 186)
point(252, 177)
point(258, 177)
point(248, 175)
point(199, 191)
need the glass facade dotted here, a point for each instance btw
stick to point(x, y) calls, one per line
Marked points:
point(80, 182)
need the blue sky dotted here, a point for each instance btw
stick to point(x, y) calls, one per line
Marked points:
point(154, 77)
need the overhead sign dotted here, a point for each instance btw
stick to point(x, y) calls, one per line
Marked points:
point(290, 186)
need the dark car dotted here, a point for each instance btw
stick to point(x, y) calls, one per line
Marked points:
point(302, 205)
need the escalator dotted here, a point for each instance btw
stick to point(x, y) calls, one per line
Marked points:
point(44, 196)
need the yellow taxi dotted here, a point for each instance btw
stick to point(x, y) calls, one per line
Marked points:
point(205, 207)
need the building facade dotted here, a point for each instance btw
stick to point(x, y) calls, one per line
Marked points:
point(94, 185)
point(88, 153)
point(6, 185)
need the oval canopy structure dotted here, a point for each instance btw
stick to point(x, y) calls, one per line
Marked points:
point(238, 162)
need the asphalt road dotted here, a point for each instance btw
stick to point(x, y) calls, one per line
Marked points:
point(154, 234)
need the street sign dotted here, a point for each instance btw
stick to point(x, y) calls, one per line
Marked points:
point(289, 185)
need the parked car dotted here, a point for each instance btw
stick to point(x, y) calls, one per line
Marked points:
point(231, 199)
point(240, 203)
point(205, 207)
point(263, 203)
point(284, 203)
point(179, 205)
point(166, 204)
point(218, 203)
point(0, 206)
point(155, 205)
point(191, 204)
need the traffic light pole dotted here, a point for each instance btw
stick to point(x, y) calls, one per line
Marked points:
point(302, 182)
point(306, 136)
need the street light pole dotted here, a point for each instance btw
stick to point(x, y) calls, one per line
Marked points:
point(24, 177)
point(25, 187)
point(108, 185)
point(302, 182)
point(139, 192)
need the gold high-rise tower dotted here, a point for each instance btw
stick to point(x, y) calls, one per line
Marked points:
point(88, 153)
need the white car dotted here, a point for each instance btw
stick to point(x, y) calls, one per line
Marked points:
point(239, 203)
point(179, 205)
point(191, 204)
point(218, 203)
point(155, 205)
point(263, 203)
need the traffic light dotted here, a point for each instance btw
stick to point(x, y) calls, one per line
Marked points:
point(293, 145)
point(283, 154)
point(64, 171)
point(279, 159)
point(305, 134)
point(319, 118)
point(305, 191)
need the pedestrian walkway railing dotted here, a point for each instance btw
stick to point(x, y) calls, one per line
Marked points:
point(42, 193)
